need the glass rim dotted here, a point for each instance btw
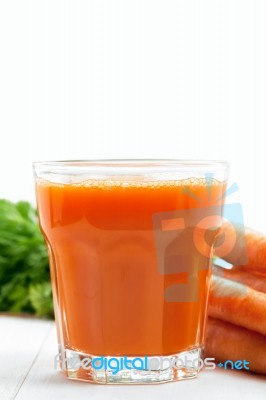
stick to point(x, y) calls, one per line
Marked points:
point(77, 171)
point(87, 164)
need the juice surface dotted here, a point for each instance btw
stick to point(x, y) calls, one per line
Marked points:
point(104, 262)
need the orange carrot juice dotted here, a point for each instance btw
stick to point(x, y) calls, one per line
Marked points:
point(109, 289)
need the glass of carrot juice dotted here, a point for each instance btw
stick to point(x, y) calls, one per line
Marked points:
point(130, 245)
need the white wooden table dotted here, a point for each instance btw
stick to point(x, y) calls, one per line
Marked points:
point(27, 350)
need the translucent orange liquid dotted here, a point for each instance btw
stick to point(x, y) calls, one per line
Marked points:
point(107, 285)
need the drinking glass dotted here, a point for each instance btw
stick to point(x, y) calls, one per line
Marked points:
point(130, 245)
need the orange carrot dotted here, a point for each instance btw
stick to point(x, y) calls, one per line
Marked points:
point(225, 341)
point(260, 272)
point(241, 275)
point(237, 303)
point(244, 242)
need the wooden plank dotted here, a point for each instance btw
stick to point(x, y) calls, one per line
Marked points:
point(20, 341)
point(45, 383)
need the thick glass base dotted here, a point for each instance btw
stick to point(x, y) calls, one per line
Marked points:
point(130, 370)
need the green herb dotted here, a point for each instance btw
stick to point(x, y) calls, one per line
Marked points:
point(24, 269)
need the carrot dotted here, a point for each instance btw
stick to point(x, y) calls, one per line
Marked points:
point(254, 270)
point(241, 275)
point(242, 247)
point(237, 303)
point(225, 341)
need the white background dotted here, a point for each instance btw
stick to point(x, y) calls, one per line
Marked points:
point(134, 78)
